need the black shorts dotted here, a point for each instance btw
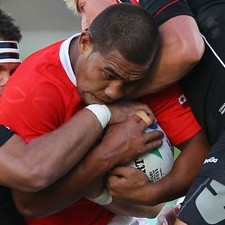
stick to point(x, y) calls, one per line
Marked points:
point(205, 201)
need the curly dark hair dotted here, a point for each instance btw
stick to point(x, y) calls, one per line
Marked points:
point(8, 30)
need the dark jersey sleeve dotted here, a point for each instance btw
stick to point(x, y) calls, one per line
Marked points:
point(8, 212)
point(197, 4)
point(5, 134)
point(163, 10)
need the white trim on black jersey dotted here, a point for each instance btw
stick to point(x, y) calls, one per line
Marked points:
point(213, 51)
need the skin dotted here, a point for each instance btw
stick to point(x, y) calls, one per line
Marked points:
point(66, 190)
point(181, 47)
point(31, 173)
point(104, 78)
point(168, 215)
point(179, 222)
point(93, 10)
point(121, 182)
point(25, 204)
point(6, 70)
point(122, 185)
point(124, 141)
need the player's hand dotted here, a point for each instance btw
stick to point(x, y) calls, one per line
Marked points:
point(168, 215)
point(126, 183)
point(126, 141)
point(121, 111)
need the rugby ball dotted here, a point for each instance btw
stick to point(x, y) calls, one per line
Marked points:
point(158, 162)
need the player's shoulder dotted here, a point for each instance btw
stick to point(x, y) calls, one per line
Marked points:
point(163, 10)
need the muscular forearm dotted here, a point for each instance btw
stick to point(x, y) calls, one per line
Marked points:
point(55, 201)
point(124, 142)
point(34, 166)
point(63, 193)
point(183, 173)
point(133, 185)
point(69, 189)
point(181, 47)
point(185, 169)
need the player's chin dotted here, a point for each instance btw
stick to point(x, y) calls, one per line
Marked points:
point(93, 99)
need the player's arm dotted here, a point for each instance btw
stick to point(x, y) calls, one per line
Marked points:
point(123, 143)
point(181, 47)
point(172, 186)
point(33, 166)
point(179, 222)
point(183, 131)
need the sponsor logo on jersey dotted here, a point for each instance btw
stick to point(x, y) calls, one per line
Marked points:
point(210, 160)
point(222, 109)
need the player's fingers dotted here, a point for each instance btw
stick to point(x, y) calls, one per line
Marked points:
point(153, 136)
point(142, 114)
point(120, 169)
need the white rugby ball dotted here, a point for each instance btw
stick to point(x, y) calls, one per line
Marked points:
point(158, 162)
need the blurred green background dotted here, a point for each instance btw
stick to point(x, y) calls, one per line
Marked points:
point(42, 22)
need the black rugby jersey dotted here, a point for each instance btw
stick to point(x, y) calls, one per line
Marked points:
point(163, 10)
point(8, 212)
point(205, 84)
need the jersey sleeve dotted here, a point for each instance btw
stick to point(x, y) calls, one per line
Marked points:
point(163, 10)
point(174, 114)
point(5, 134)
point(31, 108)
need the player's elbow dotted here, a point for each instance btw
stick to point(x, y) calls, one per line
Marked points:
point(29, 211)
point(191, 51)
point(34, 180)
point(26, 206)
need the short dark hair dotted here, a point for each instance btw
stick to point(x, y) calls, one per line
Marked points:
point(8, 30)
point(127, 28)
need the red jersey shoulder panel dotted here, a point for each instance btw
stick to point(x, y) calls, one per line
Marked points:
point(174, 114)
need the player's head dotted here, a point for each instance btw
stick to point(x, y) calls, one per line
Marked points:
point(128, 29)
point(9, 51)
point(118, 48)
point(88, 9)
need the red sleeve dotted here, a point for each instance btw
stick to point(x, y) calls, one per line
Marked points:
point(32, 103)
point(174, 114)
point(29, 111)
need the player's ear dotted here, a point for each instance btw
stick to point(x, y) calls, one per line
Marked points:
point(85, 43)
